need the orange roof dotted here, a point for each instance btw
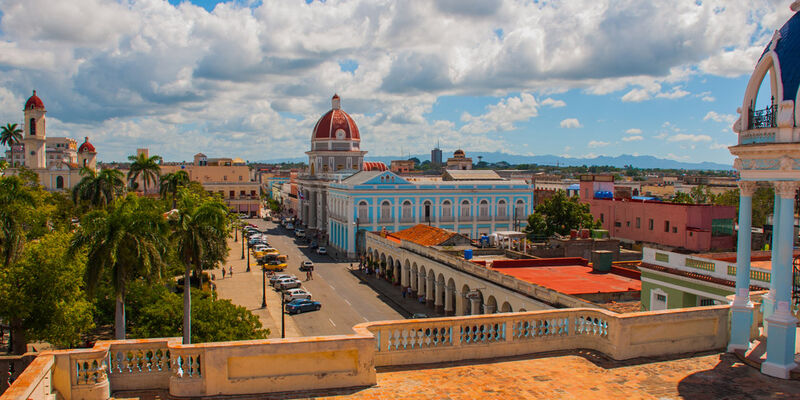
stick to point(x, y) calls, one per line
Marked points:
point(572, 279)
point(424, 235)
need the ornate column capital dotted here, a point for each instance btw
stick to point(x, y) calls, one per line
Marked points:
point(747, 188)
point(785, 189)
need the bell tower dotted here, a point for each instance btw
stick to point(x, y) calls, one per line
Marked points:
point(34, 133)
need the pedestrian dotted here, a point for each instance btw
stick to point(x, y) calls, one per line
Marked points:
point(308, 275)
point(311, 273)
point(404, 293)
point(223, 272)
point(230, 271)
point(351, 266)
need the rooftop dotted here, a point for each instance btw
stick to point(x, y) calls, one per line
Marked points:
point(572, 276)
point(425, 235)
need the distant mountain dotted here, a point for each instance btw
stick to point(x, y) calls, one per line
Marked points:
point(618, 161)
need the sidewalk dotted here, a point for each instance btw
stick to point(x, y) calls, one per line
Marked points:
point(409, 306)
point(244, 289)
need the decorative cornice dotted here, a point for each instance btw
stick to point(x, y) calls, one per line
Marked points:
point(747, 188)
point(786, 189)
point(737, 164)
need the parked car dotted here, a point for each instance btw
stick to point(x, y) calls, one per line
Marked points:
point(314, 244)
point(294, 294)
point(285, 284)
point(322, 250)
point(277, 277)
point(290, 226)
point(299, 233)
point(302, 305)
point(306, 266)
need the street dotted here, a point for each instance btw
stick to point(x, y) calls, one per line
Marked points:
point(345, 300)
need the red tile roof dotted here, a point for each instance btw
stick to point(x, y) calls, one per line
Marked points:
point(424, 235)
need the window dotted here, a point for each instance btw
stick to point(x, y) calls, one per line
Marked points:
point(33, 126)
point(707, 302)
point(502, 210)
point(602, 218)
point(349, 163)
point(232, 194)
point(484, 208)
point(363, 211)
point(240, 177)
point(674, 229)
point(520, 210)
point(661, 297)
point(225, 178)
point(638, 222)
point(658, 300)
point(59, 182)
point(241, 193)
point(465, 208)
point(427, 210)
point(628, 224)
point(407, 213)
point(617, 224)
point(447, 209)
point(666, 226)
point(722, 227)
point(386, 211)
point(253, 193)
point(650, 224)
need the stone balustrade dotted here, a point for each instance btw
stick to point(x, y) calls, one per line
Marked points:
point(249, 368)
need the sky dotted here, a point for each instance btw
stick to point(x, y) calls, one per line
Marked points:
point(249, 79)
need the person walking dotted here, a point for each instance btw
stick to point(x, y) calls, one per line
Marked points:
point(223, 272)
point(308, 275)
point(230, 271)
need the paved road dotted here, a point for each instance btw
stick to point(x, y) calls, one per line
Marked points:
point(345, 300)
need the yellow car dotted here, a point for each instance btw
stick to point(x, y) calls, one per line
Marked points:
point(276, 264)
point(264, 252)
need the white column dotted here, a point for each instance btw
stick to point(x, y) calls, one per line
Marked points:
point(429, 287)
point(448, 300)
point(475, 306)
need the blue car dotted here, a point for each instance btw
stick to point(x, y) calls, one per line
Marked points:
point(302, 305)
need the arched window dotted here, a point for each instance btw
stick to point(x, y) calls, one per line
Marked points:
point(465, 208)
point(407, 214)
point(386, 211)
point(363, 212)
point(502, 209)
point(426, 210)
point(84, 162)
point(447, 209)
point(59, 182)
point(33, 126)
point(484, 208)
point(519, 210)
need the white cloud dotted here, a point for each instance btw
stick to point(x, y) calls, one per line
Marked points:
point(553, 103)
point(502, 116)
point(719, 146)
point(685, 137)
point(597, 143)
point(571, 123)
point(709, 99)
point(634, 131)
point(636, 96)
point(676, 93)
point(716, 117)
point(632, 138)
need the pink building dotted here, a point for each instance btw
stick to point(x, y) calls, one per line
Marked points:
point(694, 227)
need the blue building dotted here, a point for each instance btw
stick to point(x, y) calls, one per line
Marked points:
point(340, 194)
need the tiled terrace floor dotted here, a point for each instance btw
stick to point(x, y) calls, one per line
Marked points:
point(710, 376)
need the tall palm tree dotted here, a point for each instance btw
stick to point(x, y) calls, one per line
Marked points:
point(99, 189)
point(199, 228)
point(127, 241)
point(145, 166)
point(171, 182)
point(10, 134)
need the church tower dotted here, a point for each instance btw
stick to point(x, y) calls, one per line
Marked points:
point(87, 155)
point(34, 133)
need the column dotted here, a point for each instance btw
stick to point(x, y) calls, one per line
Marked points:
point(413, 277)
point(475, 306)
point(437, 301)
point(404, 277)
point(420, 284)
point(742, 308)
point(429, 287)
point(768, 300)
point(448, 301)
point(782, 324)
point(488, 309)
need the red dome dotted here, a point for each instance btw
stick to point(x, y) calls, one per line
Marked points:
point(34, 102)
point(86, 146)
point(374, 166)
point(336, 124)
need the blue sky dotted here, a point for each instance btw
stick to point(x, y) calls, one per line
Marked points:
point(250, 78)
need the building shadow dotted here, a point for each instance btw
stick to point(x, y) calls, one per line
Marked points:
point(732, 379)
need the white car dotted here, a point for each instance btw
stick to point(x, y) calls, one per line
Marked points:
point(322, 250)
point(293, 294)
point(284, 284)
point(278, 277)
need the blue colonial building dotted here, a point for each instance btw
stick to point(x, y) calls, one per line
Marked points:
point(341, 195)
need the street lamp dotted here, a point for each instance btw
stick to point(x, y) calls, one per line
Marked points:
point(248, 261)
point(263, 287)
point(357, 223)
point(243, 245)
point(283, 311)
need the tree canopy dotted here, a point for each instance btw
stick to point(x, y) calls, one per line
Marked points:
point(558, 215)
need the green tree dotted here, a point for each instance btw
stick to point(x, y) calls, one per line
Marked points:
point(146, 167)
point(128, 241)
point(18, 202)
point(701, 194)
point(43, 298)
point(98, 188)
point(559, 214)
point(683, 198)
point(763, 203)
point(10, 135)
point(199, 229)
point(170, 183)
point(157, 312)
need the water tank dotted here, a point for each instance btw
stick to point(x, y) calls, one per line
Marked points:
point(468, 254)
point(601, 260)
point(584, 233)
point(573, 233)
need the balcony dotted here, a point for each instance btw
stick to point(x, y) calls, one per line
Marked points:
point(484, 218)
point(446, 218)
point(501, 218)
point(766, 118)
point(248, 369)
point(407, 220)
point(385, 220)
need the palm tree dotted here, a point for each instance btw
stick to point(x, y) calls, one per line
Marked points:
point(199, 228)
point(10, 134)
point(145, 166)
point(100, 189)
point(171, 182)
point(126, 242)
point(16, 203)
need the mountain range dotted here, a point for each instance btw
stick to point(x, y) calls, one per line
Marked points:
point(647, 162)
